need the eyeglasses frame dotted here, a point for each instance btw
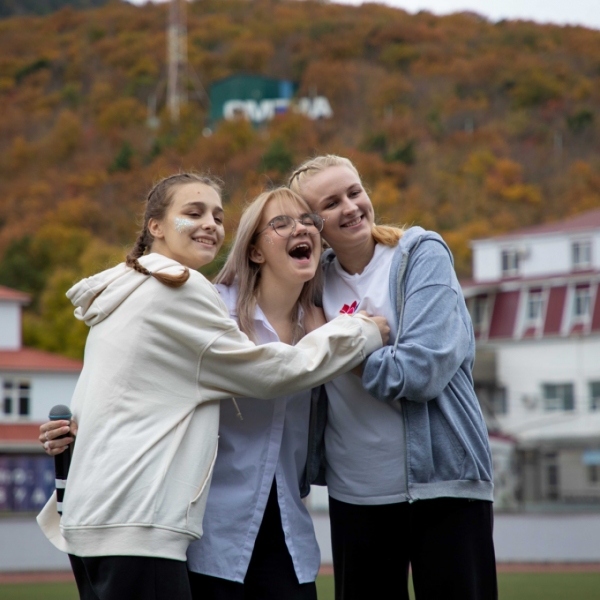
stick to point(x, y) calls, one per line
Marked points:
point(271, 224)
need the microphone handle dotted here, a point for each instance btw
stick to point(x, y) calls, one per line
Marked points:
point(62, 462)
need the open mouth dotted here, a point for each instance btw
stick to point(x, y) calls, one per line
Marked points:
point(354, 222)
point(302, 252)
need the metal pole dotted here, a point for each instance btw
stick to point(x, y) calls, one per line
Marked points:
point(176, 58)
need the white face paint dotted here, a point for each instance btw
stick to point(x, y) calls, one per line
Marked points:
point(268, 238)
point(183, 225)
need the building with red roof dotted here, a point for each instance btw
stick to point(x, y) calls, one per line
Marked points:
point(535, 304)
point(32, 382)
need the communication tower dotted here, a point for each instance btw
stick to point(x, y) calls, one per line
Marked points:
point(176, 58)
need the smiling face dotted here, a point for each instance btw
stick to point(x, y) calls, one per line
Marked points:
point(337, 194)
point(293, 259)
point(192, 231)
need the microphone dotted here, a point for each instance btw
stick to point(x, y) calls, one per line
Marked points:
point(62, 461)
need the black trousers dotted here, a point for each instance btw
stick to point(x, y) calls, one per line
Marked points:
point(130, 578)
point(271, 574)
point(447, 542)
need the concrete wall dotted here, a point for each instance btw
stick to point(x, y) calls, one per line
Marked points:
point(25, 548)
point(521, 538)
point(518, 538)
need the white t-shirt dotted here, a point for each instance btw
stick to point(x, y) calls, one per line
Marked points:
point(364, 438)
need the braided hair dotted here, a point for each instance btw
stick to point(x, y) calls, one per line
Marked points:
point(157, 203)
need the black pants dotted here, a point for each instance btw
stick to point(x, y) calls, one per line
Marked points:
point(130, 578)
point(447, 541)
point(271, 574)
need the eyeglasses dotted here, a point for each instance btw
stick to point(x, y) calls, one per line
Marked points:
point(284, 226)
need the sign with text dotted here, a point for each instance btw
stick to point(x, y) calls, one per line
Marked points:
point(260, 99)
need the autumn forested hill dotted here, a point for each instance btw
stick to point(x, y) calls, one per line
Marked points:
point(10, 8)
point(468, 127)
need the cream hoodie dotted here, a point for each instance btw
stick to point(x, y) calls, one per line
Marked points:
point(157, 361)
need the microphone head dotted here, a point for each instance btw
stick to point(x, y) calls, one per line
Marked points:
point(59, 412)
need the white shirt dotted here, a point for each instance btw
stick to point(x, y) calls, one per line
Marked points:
point(364, 438)
point(271, 441)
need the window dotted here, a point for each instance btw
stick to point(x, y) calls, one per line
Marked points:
point(534, 306)
point(594, 395)
point(558, 396)
point(582, 254)
point(498, 400)
point(581, 303)
point(16, 398)
point(510, 263)
point(479, 311)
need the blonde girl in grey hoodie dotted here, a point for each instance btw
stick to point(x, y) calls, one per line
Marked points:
point(161, 352)
point(408, 462)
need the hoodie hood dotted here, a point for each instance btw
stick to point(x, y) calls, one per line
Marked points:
point(416, 235)
point(97, 297)
point(412, 237)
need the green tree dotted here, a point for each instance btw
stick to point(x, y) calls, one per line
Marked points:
point(278, 157)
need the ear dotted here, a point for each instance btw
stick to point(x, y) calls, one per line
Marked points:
point(256, 255)
point(155, 229)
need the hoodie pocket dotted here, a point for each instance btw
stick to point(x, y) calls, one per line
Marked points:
point(196, 508)
point(447, 451)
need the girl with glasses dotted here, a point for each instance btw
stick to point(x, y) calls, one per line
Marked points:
point(408, 463)
point(259, 540)
point(161, 353)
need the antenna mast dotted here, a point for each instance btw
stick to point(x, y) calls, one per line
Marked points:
point(176, 58)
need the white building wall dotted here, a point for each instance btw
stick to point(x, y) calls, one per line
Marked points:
point(523, 367)
point(47, 390)
point(487, 264)
point(10, 326)
point(596, 250)
point(540, 256)
point(548, 255)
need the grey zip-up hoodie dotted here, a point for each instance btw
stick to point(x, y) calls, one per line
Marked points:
point(428, 369)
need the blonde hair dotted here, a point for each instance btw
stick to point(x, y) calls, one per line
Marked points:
point(382, 234)
point(246, 273)
point(158, 201)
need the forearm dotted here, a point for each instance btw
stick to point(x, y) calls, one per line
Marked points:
point(231, 369)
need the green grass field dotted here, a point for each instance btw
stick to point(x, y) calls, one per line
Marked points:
point(513, 586)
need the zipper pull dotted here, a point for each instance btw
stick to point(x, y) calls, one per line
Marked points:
point(239, 412)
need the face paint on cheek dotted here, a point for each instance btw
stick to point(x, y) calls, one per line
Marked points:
point(268, 238)
point(183, 225)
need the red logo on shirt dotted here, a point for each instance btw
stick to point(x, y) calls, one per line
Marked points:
point(349, 310)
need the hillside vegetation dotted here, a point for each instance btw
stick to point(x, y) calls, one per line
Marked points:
point(11, 8)
point(457, 124)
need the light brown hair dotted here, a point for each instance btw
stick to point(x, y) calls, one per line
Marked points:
point(157, 204)
point(382, 234)
point(246, 273)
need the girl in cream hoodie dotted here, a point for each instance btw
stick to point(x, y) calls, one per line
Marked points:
point(161, 352)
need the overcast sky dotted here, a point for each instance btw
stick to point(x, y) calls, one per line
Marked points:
point(578, 12)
